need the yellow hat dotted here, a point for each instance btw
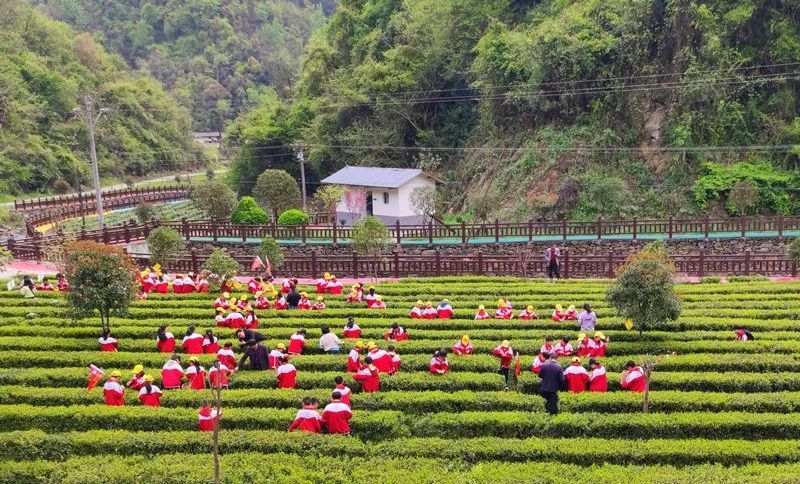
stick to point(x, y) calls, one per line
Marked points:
point(359, 344)
point(138, 369)
point(220, 310)
point(327, 275)
point(445, 301)
point(419, 302)
point(148, 378)
point(501, 303)
point(333, 276)
point(371, 345)
point(193, 359)
point(274, 293)
point(258, 293)
point(116, 373)
point(372, 287)
point(599, 335)
point(464, 339)
point(529, 308)
point(157, 267)
point(576, 360)
point(281, 346)
point(248, 308)
point(581, 336)
point(428, 304)
point(320, 298)
point(379, 298)
point(506, 343)
point(226, 295)
point(571, 307)
point(304, 294)
point(559, 307)
point(481, 308)
point(233, 300)
point(146, 272)
point(244, 298)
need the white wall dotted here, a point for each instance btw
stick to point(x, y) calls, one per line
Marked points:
point(399, 205)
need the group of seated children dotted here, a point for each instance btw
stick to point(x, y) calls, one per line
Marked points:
point(579, 379)
point(261, 285)
point(60, 285)
point(443, 311)
point(592, 348)
point(261, 301)
point(505, 311)
point(156, 281)
point(328, 285)
point(373, 300)
point(559, 315)
point(376, 361)
point(335, 416)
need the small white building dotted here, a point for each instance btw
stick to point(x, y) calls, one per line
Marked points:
point(388, 192)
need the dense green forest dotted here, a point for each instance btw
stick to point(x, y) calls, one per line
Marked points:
point(46, 69)
point(552, 108)
point(214, 56)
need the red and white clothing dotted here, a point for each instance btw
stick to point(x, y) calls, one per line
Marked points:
point(193, 344)
point(548, 348)
point(599, 349)
point(571, 315)
point(369, 378)
point(634, 380)
point(416, 312)
point(286, 375)
point(438, 366)
point(219, 377)
point(251, 321)
point(398, 334)
point(207, 419)
point(167, 345)
point(381, 360)
point(234, 320)
point(286, 286)
point(275, 358)
point(211, 346)
point(202, 285)
point(136, 382)
point(222, 302)
point(281, 304)
point(504, 313)
point(559, 316)
point(177, 285)
point(304, 303)
point(444, 311)
point(353, 361)
point(741, 335)
point(396, 362)
point(297, 342)
point(188, 285)
point(598, 380)
point(307, 420)
point(262, 302)
point(46, 286)
point(171, 375)
point(526, 315)
point(345, 392)
point(62, 285)
point(318, 306)
point(370, 298)
point(430, 313)
point(355, 296)
point(227, 357)
point(563, 349)
point(151, 398)
point(336, 417)
point(253, 285)
point(108, 344)
point(220, 320)
point(505, 355)
point(162, 287)
point(378, 305)
point(321, 285)
point(334, 287)
point(585, 347)
point(113, 393)
point(197, 377)
point(242, 303)
point(481, 315)
point(577, 377)
point(463, 349)
point(538, 362)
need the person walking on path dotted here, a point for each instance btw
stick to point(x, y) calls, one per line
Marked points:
point(552, 376)
point(551, 257)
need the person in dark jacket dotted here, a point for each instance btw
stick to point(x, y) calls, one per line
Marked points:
point(552, 376)
point(245, 335)
point(258, 354)
point(293, 298)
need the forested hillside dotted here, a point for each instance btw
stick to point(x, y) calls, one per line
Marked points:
point(554, 108)
point(214, 56)
point(46, 69)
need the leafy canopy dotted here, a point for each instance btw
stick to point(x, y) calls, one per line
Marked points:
point(249, 213)
point(276, 191)
point(293, 216)
point(270, 250)
point(213, 197)
point(165, 244)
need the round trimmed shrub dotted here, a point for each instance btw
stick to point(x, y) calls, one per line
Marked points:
point(293, 217)
point(249, 213)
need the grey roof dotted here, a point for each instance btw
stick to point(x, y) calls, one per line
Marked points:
point(368, 176)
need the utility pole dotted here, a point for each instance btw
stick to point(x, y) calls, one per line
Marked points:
point(91, 119)
point(302, 176)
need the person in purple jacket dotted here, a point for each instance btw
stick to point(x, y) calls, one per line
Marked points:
point(587, 319)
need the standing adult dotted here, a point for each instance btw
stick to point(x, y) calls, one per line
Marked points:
point(552, 376)
point(258, 355)
point(551, 257)
point(245, 335)
point(293, 297)
point(587, 319)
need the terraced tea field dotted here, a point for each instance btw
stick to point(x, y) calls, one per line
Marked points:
point(720, 411)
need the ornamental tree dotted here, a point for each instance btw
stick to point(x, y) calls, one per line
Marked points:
point(214, 198)
point(165, 244)
point(276, 191)
point(102, 278)
point(644, 291)
point(370, 237)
